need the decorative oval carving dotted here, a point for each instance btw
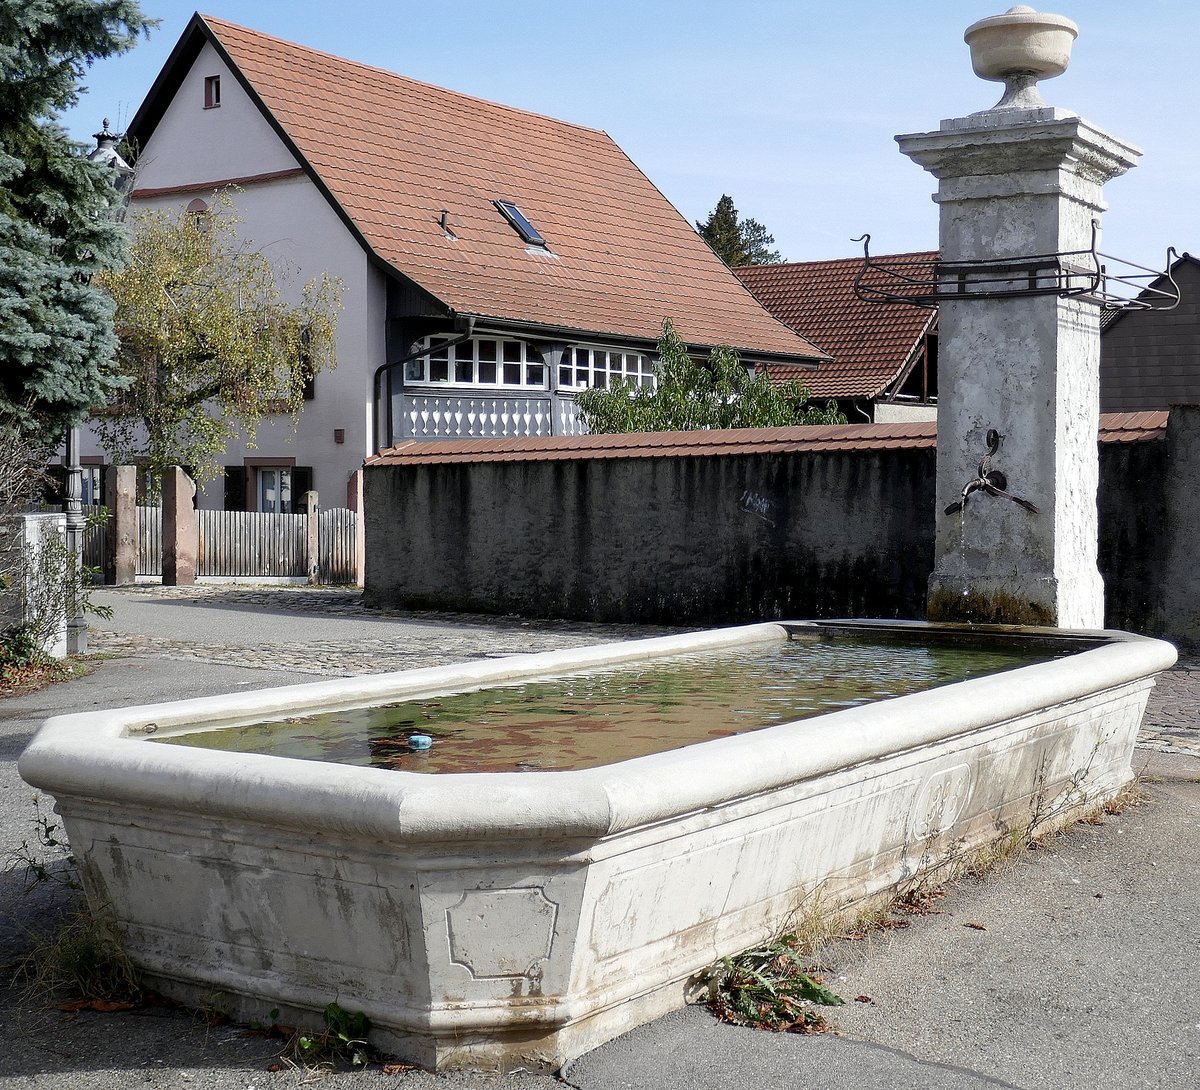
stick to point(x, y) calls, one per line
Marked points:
point(940, 801)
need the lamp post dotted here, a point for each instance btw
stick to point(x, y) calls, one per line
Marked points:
point(76, 623)
point(105, 153)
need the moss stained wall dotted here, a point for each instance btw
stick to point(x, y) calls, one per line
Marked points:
point(670, 540)
point(1132, 518)
point(724, 539)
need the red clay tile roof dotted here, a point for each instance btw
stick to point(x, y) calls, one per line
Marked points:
point(871, 343)
point(1132, 427)
point(393, 153)
point(1114, 428)
point(662, 444)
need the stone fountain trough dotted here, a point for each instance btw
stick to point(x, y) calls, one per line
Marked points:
point(508, 920)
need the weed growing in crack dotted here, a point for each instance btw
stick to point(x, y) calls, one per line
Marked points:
point(83, 964)
point(343, 1040)
point(48, 858)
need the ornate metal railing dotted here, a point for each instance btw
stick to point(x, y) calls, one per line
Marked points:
point(1109, 281)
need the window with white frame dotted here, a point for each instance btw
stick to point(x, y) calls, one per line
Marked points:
point(587, 368)
point(91, 494)
point(275, 489)
point(481, 361)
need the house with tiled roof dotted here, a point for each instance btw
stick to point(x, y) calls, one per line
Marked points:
point(1150, 358)
point(494, 261)
point(884, 355)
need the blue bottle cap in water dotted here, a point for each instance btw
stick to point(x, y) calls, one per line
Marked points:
point(419, 741)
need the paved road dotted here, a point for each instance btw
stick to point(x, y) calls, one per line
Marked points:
point(1085, 972)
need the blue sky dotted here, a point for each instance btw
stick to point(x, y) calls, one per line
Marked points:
point(790, 107)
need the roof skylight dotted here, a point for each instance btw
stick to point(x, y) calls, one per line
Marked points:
point(520, 224)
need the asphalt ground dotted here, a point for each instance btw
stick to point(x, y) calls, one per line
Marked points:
point(1075, 965)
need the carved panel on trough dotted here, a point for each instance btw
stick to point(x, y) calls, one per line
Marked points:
point(501, 932)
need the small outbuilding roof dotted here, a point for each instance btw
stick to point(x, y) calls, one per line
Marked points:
point(918, 434)
point(393, 154)
point(872, 344)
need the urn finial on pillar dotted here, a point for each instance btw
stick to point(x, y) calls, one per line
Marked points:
point(1018, 49)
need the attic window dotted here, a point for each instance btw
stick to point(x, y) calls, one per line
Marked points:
point(198, 211)
point(212, 92)
point(520, 224)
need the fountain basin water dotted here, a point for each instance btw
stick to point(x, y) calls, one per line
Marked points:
point(509, 920)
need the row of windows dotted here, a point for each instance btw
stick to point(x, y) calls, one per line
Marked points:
point(583, 368)
point(480, 362)
point(488, 361)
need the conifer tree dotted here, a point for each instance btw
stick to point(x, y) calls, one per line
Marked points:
point(723, 233)
point(737, 241)
point(57, 230)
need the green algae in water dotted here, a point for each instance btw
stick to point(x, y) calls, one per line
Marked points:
point(611, 714)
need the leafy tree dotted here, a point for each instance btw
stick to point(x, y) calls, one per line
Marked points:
point(720, 393)
point(737, 241)
point(208, 344)
point(57, 350)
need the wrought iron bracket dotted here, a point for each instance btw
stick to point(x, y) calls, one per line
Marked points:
point(1088, 274)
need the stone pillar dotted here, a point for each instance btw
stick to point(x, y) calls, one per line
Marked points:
point(310, 501)
point(180, 529)
point(354, 501)
point(1014, 183)
point(121, 542)
point(41, 607)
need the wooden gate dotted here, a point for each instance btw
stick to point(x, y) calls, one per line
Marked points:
point(259, 545)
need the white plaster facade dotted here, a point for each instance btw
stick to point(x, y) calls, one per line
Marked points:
point(899, 412)
point(291, 221)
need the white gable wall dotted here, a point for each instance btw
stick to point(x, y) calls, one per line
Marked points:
point(192, 144)
point(292, 222)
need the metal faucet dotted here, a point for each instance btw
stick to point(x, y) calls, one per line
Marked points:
point(989, 480)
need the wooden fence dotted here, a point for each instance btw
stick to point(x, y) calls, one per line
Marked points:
point(247, 545)
point(149, 541)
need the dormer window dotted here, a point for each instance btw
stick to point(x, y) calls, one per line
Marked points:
point(212, 92)
point(520, 224)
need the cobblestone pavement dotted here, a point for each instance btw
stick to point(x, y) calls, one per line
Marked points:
point(429, 639)
point(1172, 723)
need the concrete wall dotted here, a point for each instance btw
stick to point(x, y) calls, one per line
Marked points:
point(740, 538)
point(677, 540)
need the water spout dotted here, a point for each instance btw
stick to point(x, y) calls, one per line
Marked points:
point(990, 481)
